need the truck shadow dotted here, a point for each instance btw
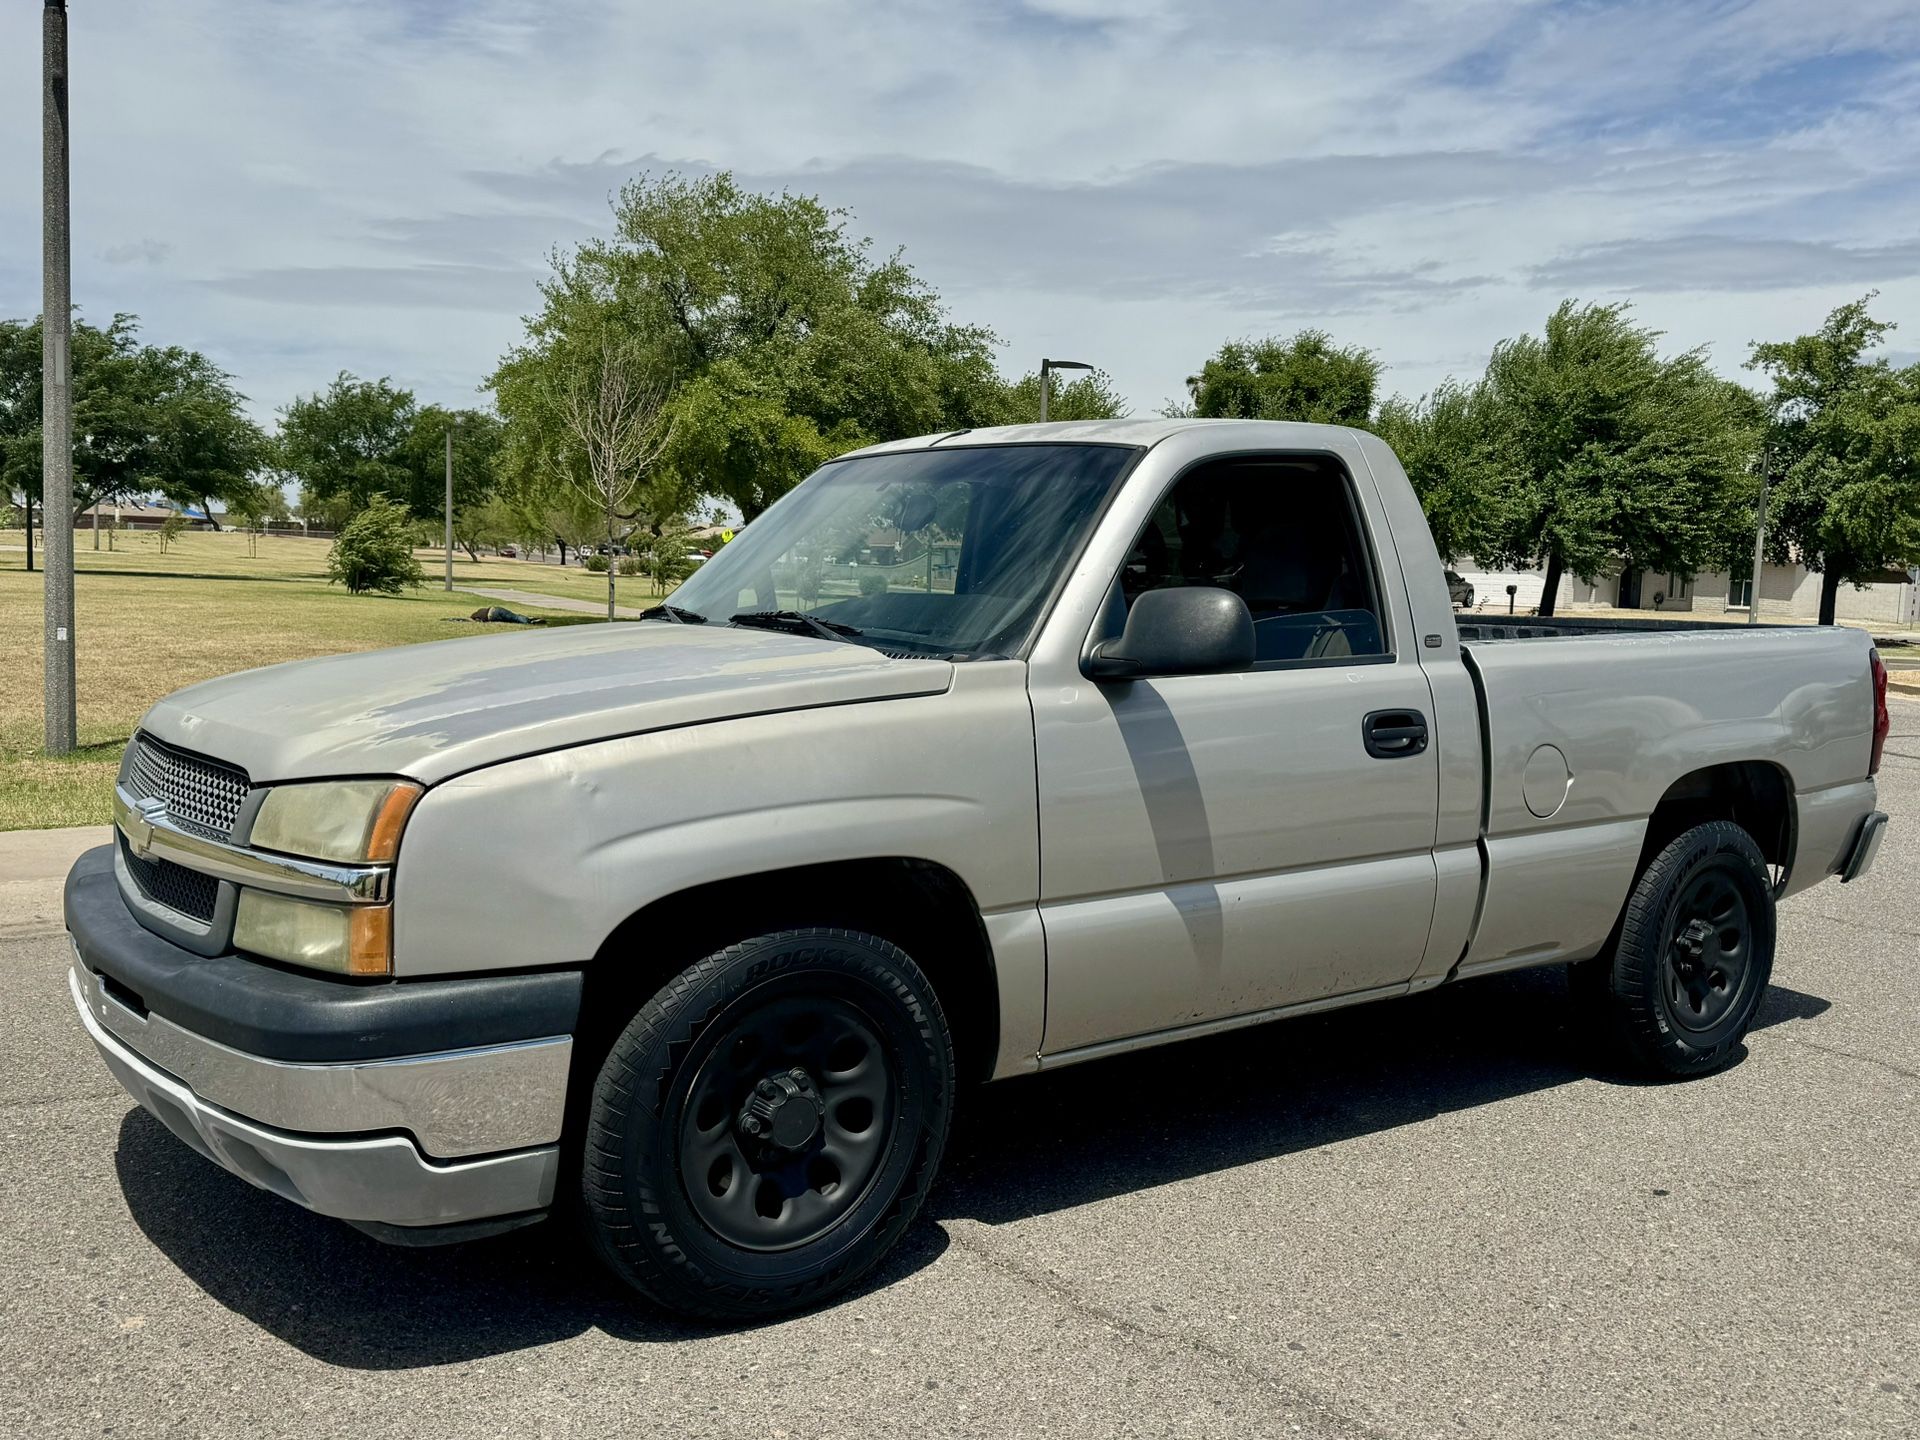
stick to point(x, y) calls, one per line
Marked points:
point(1026, 1147)
point(1049, 1142)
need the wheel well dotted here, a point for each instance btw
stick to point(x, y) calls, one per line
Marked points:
point(922, 907)
point(1754, 794)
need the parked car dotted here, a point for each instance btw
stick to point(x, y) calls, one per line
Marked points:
point(508, 552)
point(1460, 591)
point(696, 925)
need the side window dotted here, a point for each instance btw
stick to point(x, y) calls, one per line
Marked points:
point(1285, 536)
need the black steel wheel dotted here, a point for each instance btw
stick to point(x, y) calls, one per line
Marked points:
point(785, 1125)
point(768, 1124)
point(1695, 952)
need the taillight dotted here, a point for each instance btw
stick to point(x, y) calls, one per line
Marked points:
point(1882, 721)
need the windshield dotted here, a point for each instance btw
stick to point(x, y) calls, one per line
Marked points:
point(937, 552)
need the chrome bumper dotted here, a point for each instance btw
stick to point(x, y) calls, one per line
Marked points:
point(377, 1179)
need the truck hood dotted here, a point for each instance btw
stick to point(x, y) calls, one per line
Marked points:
point(432, 711)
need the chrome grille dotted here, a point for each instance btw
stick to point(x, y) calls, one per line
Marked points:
point(202, 795)
point(179, 889)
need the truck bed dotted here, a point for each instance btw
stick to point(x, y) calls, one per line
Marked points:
point(1582, 741)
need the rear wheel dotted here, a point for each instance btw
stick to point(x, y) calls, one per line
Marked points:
point(767, 1126)
point(1695, 952)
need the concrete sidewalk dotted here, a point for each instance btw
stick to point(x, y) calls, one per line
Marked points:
point(527, 599)
point(33, 867)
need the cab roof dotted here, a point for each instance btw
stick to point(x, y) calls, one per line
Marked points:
point(1281, 434)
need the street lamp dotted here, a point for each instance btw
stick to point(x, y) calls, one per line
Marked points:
point(56, 387)
point(1760, 539)
point(452, 426)
point(1047, 367)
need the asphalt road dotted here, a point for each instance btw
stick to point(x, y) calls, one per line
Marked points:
point(1431, 1218)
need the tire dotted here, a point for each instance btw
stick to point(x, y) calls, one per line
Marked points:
point(767, 1126)
point(1680, 988)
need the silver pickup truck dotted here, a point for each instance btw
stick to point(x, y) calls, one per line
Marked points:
point(977, 755)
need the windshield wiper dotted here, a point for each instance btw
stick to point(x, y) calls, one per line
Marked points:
point(794, 620)
point(673, 613)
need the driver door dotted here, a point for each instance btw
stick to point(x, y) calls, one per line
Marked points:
point(1222, 845)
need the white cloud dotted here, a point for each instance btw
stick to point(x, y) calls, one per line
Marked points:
point(302, 188)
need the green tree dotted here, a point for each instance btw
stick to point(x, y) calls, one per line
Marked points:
point(422, 457)
point(1844, 439)
point(1305, 378)
point(1604, 454)
point(1448, 447)
point(349, 443)
point(1087, 397)
point(145, 418)
point(375, 550)
point(781, 340)
point(204, 446)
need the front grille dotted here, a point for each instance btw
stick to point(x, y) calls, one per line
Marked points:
point(202, 795)
point(179, 889)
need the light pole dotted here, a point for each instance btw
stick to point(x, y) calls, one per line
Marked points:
point(1047, 367)
point(56, 375)
point(1759, 542)
point(452, 426)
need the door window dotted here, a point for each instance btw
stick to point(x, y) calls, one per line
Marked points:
point(1282, 534)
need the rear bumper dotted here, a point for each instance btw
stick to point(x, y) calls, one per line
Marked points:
point(1866, 845)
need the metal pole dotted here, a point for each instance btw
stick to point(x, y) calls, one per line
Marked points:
point(1045, 367)
point(1759, 549)
point(56, 372)
point(450, 429)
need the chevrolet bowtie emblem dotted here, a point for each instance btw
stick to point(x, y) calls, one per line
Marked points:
point(139, 824)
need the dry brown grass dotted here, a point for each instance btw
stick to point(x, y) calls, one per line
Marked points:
point(149, 623)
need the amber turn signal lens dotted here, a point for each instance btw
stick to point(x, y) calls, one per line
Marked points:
point(370, 940)
point(383, 839)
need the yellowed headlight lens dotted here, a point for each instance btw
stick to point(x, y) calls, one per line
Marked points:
point(344, 820)
point(346, 939)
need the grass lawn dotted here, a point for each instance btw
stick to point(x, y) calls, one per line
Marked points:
point(150, 623)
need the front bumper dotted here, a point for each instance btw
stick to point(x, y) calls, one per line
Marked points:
point(332, 1098)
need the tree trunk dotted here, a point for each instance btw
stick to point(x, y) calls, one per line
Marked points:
point(473, 552)
point(563, 551)
point(29, 515)
point(613, 564)
point(1552, 590)
point(206, 508)
point(1829, 594)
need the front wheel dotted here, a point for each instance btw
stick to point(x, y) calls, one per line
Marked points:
point(1695, 953)
point(766, 1127)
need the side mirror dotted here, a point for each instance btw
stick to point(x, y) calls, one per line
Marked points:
point(1191, 630)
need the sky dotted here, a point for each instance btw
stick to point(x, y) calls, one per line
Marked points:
point(299, 188)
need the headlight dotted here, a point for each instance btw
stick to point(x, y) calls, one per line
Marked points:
point(347, 939)
point(354, 822)
point(345, 820)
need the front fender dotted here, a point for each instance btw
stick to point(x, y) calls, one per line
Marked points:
point(536, 861)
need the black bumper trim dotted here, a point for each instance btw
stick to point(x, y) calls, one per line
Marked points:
point(280, 1015)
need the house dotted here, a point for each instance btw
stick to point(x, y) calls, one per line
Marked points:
point(1787, 592)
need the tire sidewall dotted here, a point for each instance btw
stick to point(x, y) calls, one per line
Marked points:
point(666, 1247)
point(1640, 969)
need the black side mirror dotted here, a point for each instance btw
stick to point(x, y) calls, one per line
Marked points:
point(1191, 630)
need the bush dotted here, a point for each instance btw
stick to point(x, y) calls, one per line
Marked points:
point(596, 563)
point(629, 564)
point(375, 551)
point(872, 582)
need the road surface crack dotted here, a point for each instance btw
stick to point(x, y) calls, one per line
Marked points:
point(969, 1235)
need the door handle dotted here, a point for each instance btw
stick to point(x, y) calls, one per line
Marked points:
point(1394, 734)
